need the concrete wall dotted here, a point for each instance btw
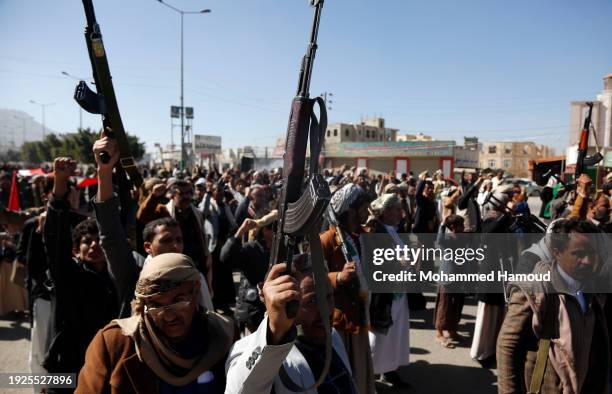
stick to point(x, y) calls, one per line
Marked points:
point(384, 165)
point(419, 165)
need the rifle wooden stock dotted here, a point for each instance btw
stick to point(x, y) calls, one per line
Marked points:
point(104, 102)
point(295, 148)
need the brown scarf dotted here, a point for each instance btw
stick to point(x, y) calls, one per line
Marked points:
point(159, 275)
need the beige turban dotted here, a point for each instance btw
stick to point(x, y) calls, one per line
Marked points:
point(383, 202)
point(165, 272)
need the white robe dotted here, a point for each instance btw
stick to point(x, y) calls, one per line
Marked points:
point(392, 350)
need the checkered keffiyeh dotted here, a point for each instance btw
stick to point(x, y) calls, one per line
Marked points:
point(343, 198)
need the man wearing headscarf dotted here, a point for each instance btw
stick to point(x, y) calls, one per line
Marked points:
point(490, 309)
point(389, 312)
point(168, 345)
point(349, 209)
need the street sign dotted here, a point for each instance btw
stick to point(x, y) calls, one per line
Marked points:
point(175, 112)
point(208, 144)
point(189, 112)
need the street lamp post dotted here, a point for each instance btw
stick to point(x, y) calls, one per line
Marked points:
point(43, 107)
point(182, 13)
point(23, 128)
point(80, 109)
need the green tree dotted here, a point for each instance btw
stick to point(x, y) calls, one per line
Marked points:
point(76, 145)
point(10, 155)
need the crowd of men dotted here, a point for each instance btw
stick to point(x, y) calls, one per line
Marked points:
point(139, 294)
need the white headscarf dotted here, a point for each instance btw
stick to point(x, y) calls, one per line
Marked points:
point(383, 202)
point(344, 197)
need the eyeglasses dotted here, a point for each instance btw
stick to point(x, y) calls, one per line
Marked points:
point(176, 308)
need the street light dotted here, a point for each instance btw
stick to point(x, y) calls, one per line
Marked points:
point(42, 106)
point(23, 127)
point(80, 109)
point(182, 13)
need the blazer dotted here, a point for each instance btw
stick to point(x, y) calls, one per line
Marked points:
point(571, 332)
point(253, 364)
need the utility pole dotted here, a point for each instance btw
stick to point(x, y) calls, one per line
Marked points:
point(80, 109)
point(328, 102)
point(182, 13)
point(23, 128)
point(42, 107)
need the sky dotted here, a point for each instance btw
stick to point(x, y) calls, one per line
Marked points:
point(494, 69)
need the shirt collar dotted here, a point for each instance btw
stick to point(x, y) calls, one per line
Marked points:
point(572, 284)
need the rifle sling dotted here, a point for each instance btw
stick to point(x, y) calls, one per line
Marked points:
point(537, 378)
point(317, 133)
point(319, 271)
point(540, 366)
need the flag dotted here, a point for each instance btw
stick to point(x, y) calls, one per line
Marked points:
point(13, 204)
point(87, 182)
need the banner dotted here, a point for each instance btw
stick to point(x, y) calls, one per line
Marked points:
point(206, 144)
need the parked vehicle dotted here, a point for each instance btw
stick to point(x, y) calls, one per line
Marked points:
point(531, 188)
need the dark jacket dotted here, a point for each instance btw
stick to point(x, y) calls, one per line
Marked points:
point(242, 212)
point(468, 202)
point(123, 264)
point(252, 258)
point(426, 212)
point(31, 252)
point(381, 303)
point(82, 300)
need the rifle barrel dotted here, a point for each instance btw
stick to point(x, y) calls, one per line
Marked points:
point(308, 61)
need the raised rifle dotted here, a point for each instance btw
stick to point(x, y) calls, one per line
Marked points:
point(528, 222)
point(303, 202)
point(104, 102)
point(583, 161)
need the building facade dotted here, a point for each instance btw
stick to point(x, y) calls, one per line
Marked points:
point(372, 145)
point(368, 130)
point(512, 156)
point(467, 156)
point(401, 156)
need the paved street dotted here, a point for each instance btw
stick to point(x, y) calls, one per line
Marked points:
point(14, 348)
point(434, 369)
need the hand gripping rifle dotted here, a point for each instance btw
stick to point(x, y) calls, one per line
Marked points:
point(528, 222)
point(583, 161)
point(300, 209)
point(104, 101)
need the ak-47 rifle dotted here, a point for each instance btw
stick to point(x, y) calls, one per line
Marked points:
point(299, 208)
point(583, 161)
point(104, 101)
